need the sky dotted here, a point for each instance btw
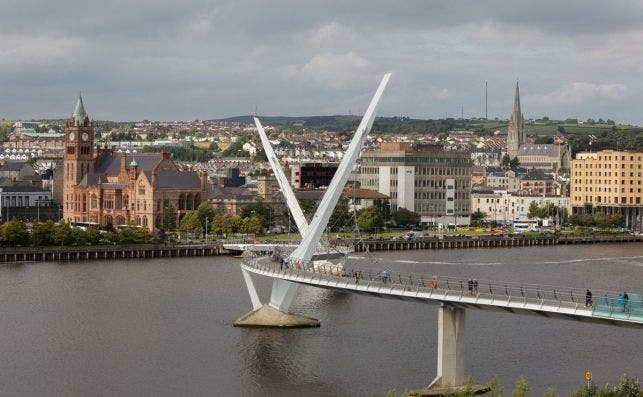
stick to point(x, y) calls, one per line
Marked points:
point(197, 59)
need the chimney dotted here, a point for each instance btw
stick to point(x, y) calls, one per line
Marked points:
point(154, 176)
point(166, 155)
point(123, 162)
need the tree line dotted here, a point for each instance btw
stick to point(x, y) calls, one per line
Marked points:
point(16, 233)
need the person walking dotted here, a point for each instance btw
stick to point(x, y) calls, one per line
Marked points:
point(470, 285)
point(588, 298)
point(475, 286)
point(626, 298)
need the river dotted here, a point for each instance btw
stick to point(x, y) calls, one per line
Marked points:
point(163, 327)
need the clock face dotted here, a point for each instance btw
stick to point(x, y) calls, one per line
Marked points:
point(85, 136)
point(71, 136)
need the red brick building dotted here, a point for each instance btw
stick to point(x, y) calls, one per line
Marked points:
point(106, 188)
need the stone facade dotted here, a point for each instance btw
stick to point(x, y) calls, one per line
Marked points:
point(106, 188)
point(516, 132)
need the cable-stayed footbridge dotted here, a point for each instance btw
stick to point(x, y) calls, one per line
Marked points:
point(454, 296)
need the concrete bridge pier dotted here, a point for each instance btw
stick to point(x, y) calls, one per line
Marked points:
point(450, 347)
point(275, 314)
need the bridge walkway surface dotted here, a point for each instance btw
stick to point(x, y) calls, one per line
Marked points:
point(548, 301)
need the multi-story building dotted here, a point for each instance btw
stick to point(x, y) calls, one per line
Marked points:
point(309, 175)
point(504, 180)
point(26, 203)
point(610, 182)
point(107, 188)
point(503, 208)
point(432, 182)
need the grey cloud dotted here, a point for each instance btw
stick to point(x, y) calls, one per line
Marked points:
point(164, 59)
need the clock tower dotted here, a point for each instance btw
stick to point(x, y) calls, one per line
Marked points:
point(78, 159)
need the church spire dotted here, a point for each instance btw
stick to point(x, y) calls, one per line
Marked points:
point(79, 111)
point(516, 131)
point(517, 111)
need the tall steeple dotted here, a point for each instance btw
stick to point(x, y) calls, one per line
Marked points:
point(516, 132)
point(78, 158)
point(79, 111)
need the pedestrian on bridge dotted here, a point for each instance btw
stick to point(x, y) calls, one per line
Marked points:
point(588, 298)
point(475, 286)
point(470, 285)
point(626, 299)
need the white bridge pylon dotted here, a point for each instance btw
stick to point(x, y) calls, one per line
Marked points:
point(283, 291)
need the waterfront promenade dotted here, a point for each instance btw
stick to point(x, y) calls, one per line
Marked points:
point(226, 247)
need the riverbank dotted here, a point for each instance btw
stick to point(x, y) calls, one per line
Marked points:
point(46, 254)
point(76, 253)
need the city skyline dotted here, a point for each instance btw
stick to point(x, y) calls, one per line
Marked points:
point(165, 61)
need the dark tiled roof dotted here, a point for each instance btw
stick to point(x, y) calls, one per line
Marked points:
point(177, 180)
point(309, 194)
point(364, 194)
point(93, 179)
point(111, 164)
point(231, 192)
point(539, 150)
point(113, 185)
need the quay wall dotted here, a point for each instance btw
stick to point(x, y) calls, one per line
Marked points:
point(451, 242)
point(51, 254)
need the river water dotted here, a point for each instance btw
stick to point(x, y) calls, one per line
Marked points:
point(163, 327)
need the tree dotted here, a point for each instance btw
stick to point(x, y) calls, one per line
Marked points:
point(251, 225)
point(514, 163)
point(92, 236)
point(169, 218)
point(191, 224)
point(506, 161)
point(478, 218)
point(261, 155)
point(561, 129)
point(384, 207)
point(369, 218)
point(340, 216)
point(134, 235)
point(226, 224)
point(205, 214)
point(214, 147)
point(14, 233)
point(42, 233)
point(63, 235)
point(534, 210)
point(259, 209)
point(404, 217)
point(78, 236)
point(544, 139)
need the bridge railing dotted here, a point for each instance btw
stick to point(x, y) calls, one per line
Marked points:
point(601, 303)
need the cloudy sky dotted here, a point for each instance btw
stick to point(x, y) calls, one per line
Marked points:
point(187, 59)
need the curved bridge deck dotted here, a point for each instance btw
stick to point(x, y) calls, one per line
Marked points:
point(546, 301)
